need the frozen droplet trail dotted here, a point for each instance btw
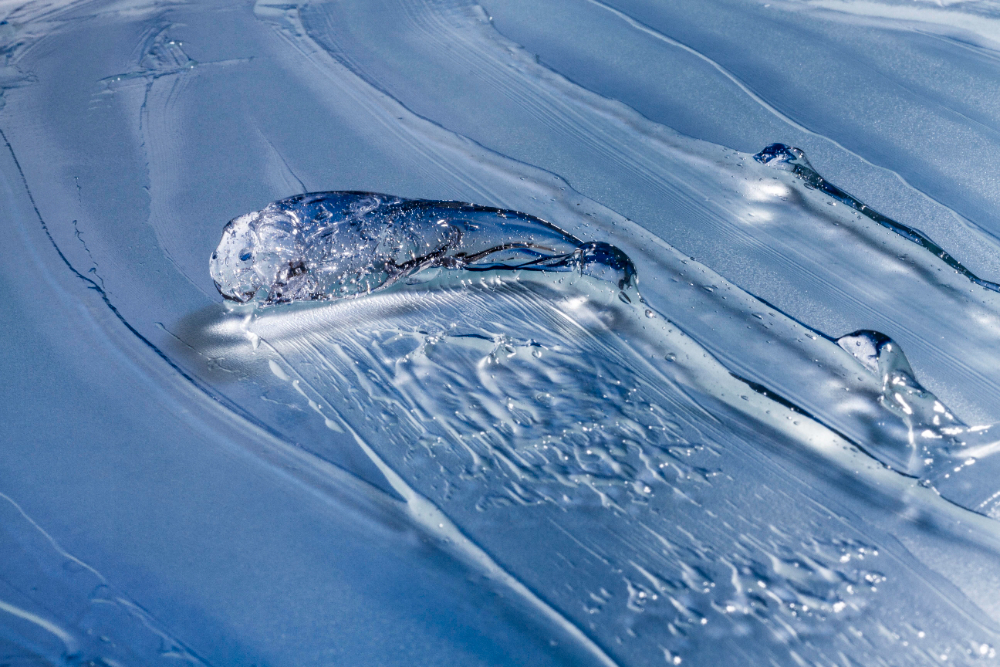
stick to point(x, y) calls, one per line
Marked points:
point(794, 160)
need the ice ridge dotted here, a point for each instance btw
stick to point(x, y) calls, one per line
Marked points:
point(942, 448)
point(332, 245)
point(794, 160)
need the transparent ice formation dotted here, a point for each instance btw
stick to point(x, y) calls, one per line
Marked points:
point(794, 160)
point(937, 438)
point(486, 456)
point(331, 245)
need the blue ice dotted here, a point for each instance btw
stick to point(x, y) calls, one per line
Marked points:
point(674, 340)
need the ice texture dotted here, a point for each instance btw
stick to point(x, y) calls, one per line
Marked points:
point(330, 245)
point(794, 160)
point(781, 453)
point(938, 440)
point(70, 614)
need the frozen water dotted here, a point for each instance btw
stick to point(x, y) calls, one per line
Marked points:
point(323, 246)
point(795, 161)
point(69, 612)
point(473, 461)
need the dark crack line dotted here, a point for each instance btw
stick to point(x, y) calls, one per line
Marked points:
point(79, 237)
point(153, 74)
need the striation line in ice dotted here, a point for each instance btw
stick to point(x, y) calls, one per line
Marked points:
point(332, 245)
point(794, 160)
point(57, 609)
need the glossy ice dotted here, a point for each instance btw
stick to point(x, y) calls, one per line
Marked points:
point(332, 245)
point(504, 466)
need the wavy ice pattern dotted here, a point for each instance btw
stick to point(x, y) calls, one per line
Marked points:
point(331, 245)
point(712, 474)
point(547, 411)
point(794, 160)
point(503, 391)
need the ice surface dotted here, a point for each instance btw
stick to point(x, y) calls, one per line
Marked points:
point(69, 613)
point(332, 245)
point(779, 453)
point(794, 160)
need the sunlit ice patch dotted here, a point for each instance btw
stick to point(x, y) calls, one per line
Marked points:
point(765, 191)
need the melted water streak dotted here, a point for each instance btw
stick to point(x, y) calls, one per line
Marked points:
point(795, 161)
point(539, 410)
point(56, 609)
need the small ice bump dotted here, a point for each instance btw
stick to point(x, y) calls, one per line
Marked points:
point(865, 346)
point(778, 154)
point(938, 439)
point(333, 245)
point(901, 392)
